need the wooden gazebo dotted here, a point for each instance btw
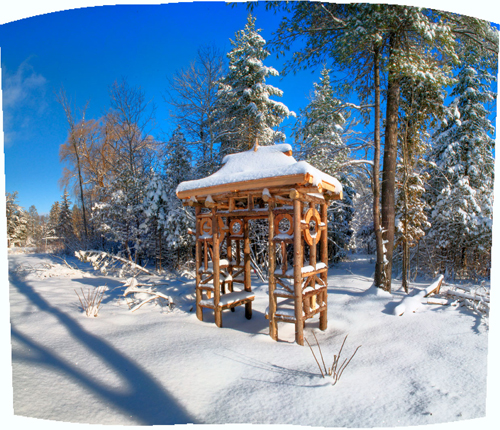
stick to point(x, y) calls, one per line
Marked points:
point(263, 183)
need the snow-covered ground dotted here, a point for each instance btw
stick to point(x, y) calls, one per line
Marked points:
point(162, 366)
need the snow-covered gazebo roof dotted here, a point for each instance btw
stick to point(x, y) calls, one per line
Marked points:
point(266, 167)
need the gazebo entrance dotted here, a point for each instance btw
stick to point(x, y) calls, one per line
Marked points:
point(266, 183)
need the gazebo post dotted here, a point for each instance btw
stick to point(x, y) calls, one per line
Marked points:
point(273, 325)
point(216, 268)
point(298, 261)
point(324, 259)
point(199, 309)
point(248, 266)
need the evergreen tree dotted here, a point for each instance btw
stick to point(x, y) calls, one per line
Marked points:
point(340, 216)
point(17, 221)
point(246, 111)
point(421, 104)
point(119, 214)
point(34, 232)
point(461, 194)
point(53, 219)
point(64, 228)
point(320, 133)
point(178, 217)
point(156, 208)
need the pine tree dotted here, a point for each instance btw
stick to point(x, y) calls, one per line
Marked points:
point(421, 104)
point(17, 221)
point(462, 178)
point(53, 219)
point(64, 228)
point(156, 211)
point(177, 218)
point(246, 110)
point(34, 233)
point(119, 214)
point(320, 133)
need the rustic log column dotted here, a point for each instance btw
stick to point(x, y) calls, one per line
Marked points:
point(248, 266)
point(298, 260)
point(273, 326)
point(229, 244)
point(199, 309)
point(324, 259)
point(216, 268)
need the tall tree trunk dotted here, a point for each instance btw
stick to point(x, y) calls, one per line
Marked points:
point(376, 169)
point(389, 170)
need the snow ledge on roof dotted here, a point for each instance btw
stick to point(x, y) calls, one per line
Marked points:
point(267, 162)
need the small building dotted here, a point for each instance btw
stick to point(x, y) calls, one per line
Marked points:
point(264, 183)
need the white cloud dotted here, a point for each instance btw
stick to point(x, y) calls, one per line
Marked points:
point(23, 96)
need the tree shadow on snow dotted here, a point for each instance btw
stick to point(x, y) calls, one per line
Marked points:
point(145, 399)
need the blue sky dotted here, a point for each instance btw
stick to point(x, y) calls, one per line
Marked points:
point(86, 50)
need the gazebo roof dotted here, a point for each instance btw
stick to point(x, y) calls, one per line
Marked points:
point(268, 166)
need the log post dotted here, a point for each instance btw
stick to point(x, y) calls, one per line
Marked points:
point(273, 325)
point(324, 259)
point(216, 268)
point(199, 309)
point(229, 245)
point(248, 266)
point(298, 261)
point(312, 261)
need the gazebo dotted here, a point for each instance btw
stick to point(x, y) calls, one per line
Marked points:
point(264, 183)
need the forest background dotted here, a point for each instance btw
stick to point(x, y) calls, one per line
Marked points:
point(122, 166)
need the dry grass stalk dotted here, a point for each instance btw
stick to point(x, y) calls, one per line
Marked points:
point(92, 301)
point(332, 371)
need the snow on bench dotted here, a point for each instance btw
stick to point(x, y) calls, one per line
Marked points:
point(227, 300)
point(310, 268)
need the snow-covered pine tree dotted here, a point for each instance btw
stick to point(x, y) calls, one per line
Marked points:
point(246, 111)
point(119, 214)
point(461, 192)
point(320, 134)
point(178, 218)
point(421, 103)
point(64, 228)
point(319, 131)
point(17, 221)
point(53, 219)
point(156, 207)
point(34, 232)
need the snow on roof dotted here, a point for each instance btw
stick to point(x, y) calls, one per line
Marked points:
point(267, 162)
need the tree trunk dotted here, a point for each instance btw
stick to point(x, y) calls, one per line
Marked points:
point(378, 280)
point(389, 172)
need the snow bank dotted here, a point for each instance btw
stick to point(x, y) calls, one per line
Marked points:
point(412, 303)
point(151, 367)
